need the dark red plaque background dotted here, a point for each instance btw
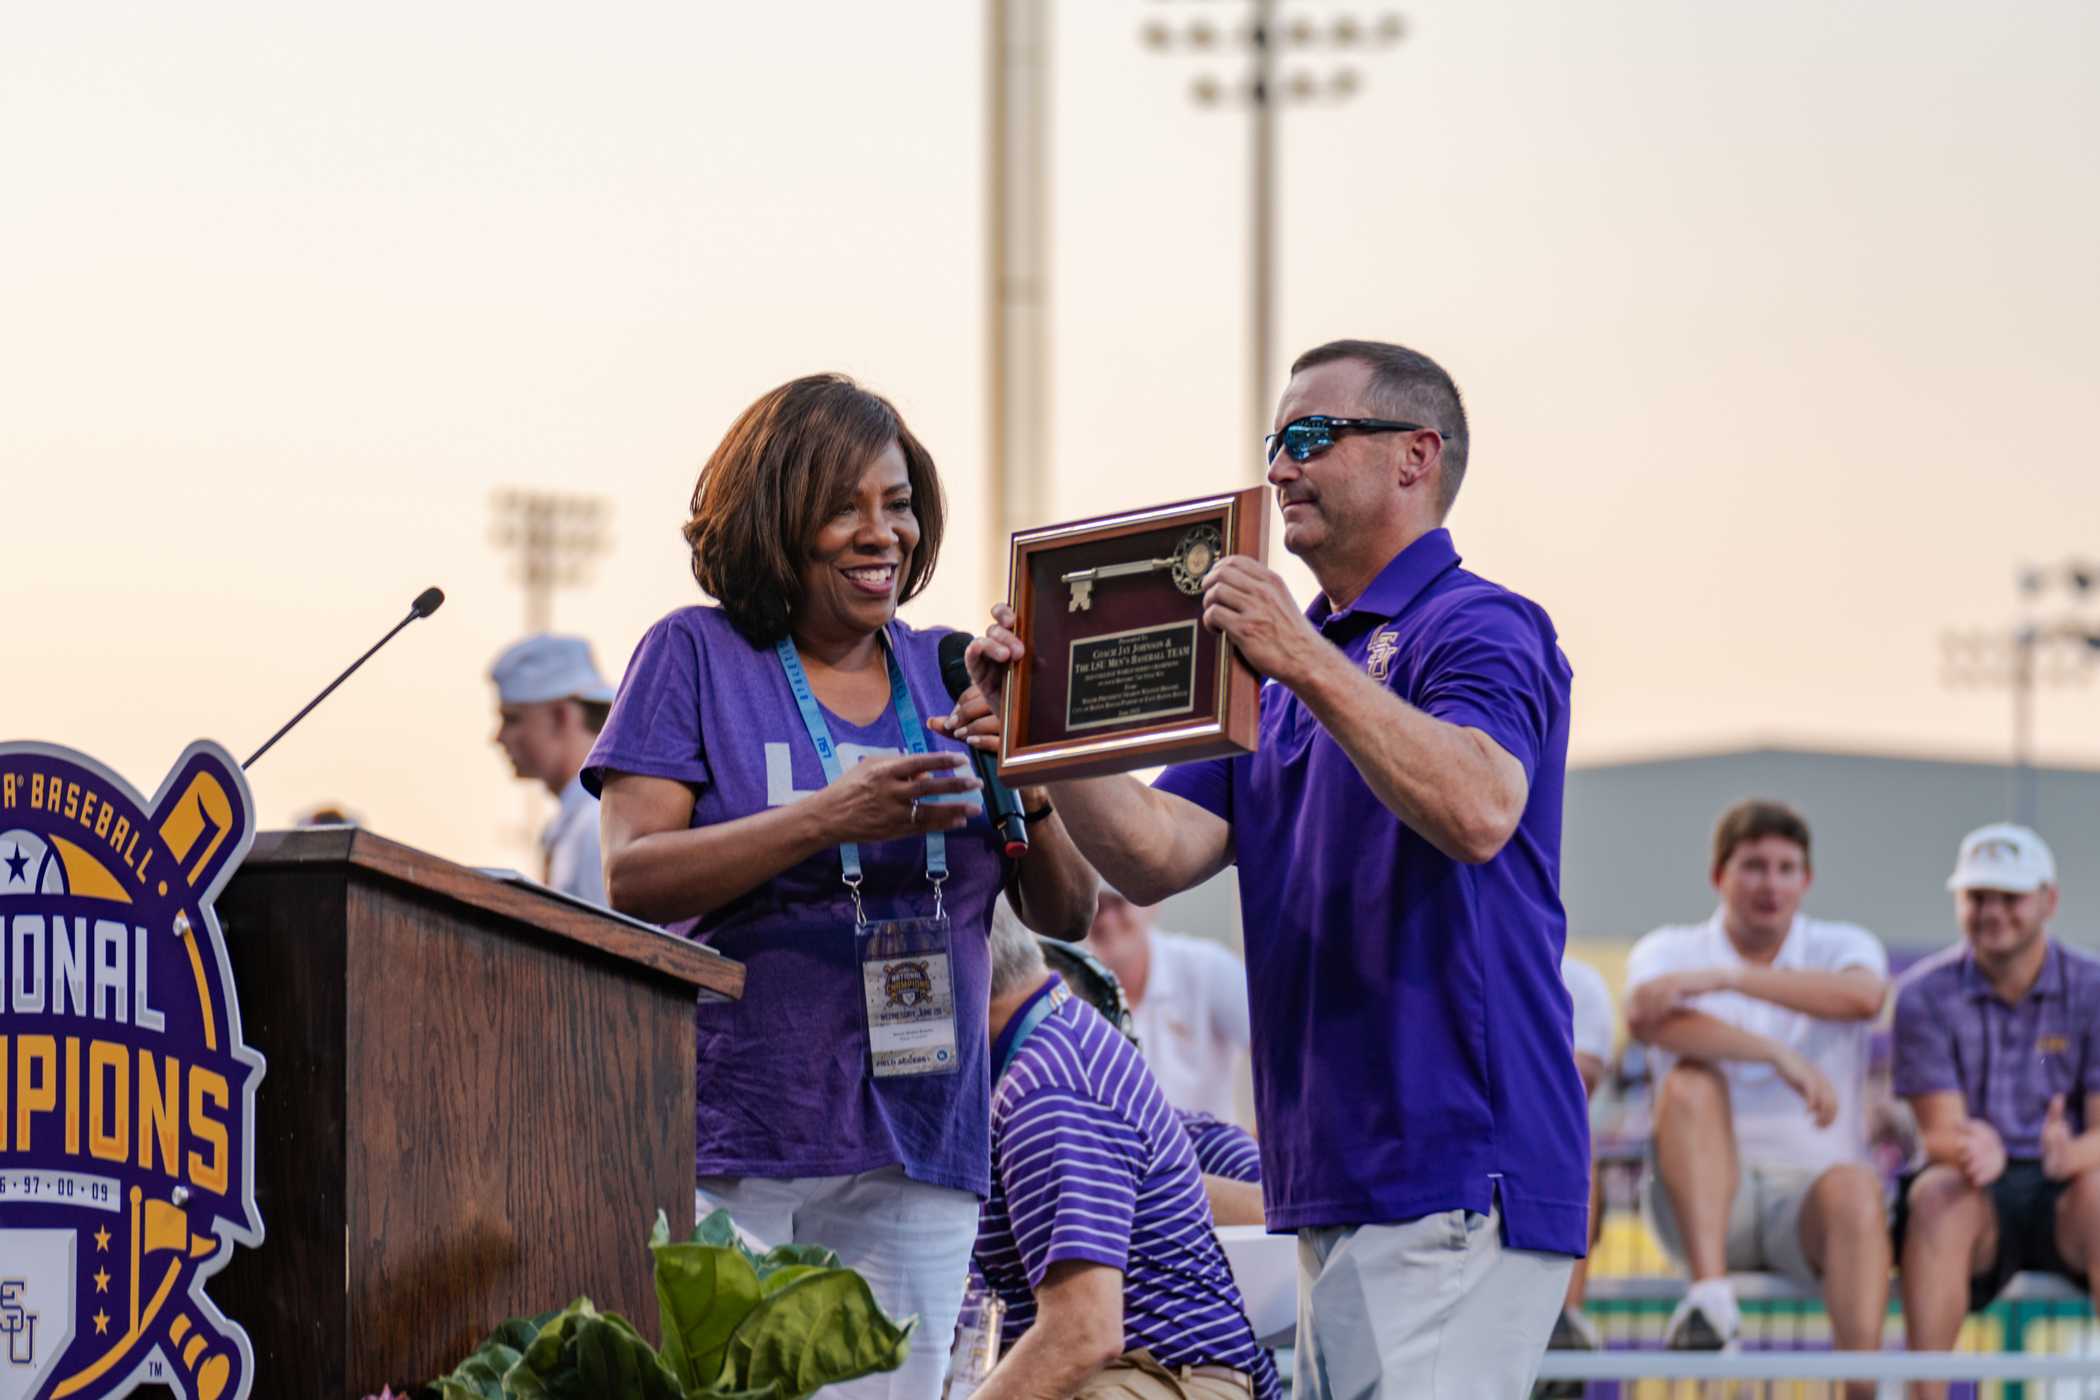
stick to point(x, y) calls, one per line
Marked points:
point(1120, 604)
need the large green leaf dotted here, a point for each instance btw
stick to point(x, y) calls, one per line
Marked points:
point(584, 1354)
point(819, 1329)
point(479, 1377)
point(771, 1283)
point(703, 1293)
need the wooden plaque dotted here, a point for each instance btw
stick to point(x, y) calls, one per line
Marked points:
point(1121, 673)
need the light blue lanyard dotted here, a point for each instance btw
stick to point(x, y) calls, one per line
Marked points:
point(828, 756)
point(1036, 1014)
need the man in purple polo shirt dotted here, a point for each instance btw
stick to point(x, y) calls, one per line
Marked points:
point(1998, 1052)
point(1096, 1235)
point(1398, 843)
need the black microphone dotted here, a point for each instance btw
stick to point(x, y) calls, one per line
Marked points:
point(426, 603)
point(1000, 803)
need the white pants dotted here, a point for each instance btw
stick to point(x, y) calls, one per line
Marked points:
point(1430, 1307)
point(910, 1241)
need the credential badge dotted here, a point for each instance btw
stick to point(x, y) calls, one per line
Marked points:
point(127, 1169)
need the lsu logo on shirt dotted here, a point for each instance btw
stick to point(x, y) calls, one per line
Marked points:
point(127, 1094)
point(1379, 659)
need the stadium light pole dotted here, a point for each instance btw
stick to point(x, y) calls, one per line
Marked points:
point(555, 538)
point(1261, 36)
point(2029, 656)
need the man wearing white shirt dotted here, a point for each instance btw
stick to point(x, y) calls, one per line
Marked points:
point(1188, 1003)
point(1760, 1019)
point(1596, 1023)
point(551, 702)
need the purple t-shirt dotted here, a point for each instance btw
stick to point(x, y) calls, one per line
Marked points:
point(784, 1085)
point(1092, 1165)
point(1953, 1033)
point(1412, 1046)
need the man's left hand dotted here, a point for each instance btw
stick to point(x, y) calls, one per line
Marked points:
point(1247, 602)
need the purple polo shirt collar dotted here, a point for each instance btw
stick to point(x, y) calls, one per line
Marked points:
point(1398, 583)
point(2051, 981)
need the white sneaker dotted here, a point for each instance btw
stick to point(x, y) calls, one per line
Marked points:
point(1706, 1319)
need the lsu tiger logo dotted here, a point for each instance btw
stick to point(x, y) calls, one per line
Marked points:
point(907, 983)
point(127, 1095)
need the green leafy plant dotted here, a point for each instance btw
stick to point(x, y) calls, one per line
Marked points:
point(737, 1325)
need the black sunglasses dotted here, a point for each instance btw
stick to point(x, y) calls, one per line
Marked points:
point(1306, 438)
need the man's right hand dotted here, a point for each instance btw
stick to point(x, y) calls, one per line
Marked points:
point(1811, 1084)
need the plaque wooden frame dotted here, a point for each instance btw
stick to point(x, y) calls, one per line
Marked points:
point(1037, 745)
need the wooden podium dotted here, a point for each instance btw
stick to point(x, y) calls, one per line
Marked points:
point(477, 1099)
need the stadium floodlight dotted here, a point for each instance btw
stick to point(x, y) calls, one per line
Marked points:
point(555, 537)
point(1266, 39)
point(2032, 654)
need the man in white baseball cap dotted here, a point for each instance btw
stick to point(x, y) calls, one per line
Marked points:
point(1998, 1053)
point(552, 703)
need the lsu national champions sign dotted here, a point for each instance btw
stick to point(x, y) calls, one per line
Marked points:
point(127, 1097)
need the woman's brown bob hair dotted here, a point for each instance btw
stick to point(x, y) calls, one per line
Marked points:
point(783, 467)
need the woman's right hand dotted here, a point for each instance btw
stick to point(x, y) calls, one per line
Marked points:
point(884, 799)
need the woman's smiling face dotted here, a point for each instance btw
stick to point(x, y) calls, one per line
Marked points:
point(860, 552)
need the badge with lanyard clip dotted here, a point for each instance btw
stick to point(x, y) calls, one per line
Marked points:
point(907, 976)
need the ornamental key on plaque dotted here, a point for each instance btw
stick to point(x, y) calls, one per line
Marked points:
point(1200, 548)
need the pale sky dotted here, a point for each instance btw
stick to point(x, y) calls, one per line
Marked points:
point(1776, 325)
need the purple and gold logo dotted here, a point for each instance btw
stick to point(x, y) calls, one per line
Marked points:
point(127, 1096)
point(1379, 659)
point(907, 983)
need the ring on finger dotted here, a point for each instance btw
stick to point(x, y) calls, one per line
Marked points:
point(915, 811)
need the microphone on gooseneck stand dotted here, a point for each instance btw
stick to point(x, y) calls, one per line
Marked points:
point(426, 603)
point(1000, 802)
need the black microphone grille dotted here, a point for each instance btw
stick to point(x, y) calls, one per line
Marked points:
point(427, 602)
point(955, 671)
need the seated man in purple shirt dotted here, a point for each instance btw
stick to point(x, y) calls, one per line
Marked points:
point(1397, 836)
point(1096, 1236)
point(1998, 1053)
point(1226, 1153)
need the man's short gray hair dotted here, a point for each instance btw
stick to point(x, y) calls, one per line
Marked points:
point(1408, 384)
point(1017, 960)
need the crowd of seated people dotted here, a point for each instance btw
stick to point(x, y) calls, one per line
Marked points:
point(1756, 1026)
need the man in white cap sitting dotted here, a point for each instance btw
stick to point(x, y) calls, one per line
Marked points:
point(1998, 1053)
point(553, 702)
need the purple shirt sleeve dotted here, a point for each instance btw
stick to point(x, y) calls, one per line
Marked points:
point(1499, 671)
point(654, 727)
point(1924, 1049)
point(1207, 782)
point(1066, 1164)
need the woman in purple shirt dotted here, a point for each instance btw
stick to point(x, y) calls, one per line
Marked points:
point(767, 785)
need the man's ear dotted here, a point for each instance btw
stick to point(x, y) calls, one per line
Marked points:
point(1421, 459)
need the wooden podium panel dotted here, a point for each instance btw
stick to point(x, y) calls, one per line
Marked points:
point(477, 1100)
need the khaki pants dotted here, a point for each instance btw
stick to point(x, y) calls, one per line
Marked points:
point(1136, 1376)
point(1436, 1307)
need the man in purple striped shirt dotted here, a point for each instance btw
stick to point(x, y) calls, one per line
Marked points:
point(1097, 1236)
point(1998, 1052)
